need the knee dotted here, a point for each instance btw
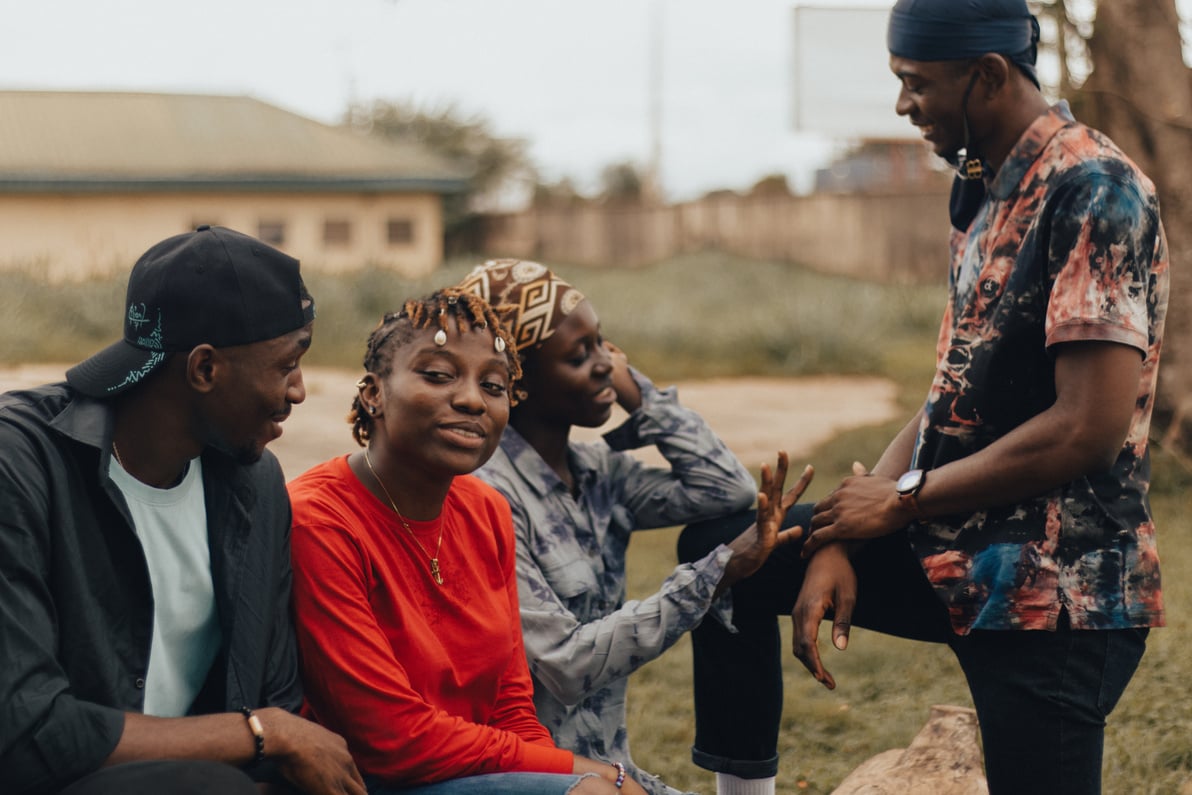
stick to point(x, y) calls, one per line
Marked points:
point(700, 538)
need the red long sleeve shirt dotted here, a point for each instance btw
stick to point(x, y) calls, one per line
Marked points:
point(426, 682)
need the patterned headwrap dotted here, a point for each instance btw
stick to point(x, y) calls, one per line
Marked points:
point(530, 299)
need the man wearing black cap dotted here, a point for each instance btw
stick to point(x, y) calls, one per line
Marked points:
point(144, 544)
point(1009, 518)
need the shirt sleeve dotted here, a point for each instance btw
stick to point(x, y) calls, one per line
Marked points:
point(1101, 251)
point(282, 686)
point(704, 480)
point(571, 658)
point(514, 707)
point(48, 736)
point(358, 688)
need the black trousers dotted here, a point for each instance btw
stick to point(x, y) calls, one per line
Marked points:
point(1042, 698)
point(738, 676)
point(167, 777)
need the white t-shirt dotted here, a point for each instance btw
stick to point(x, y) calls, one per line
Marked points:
point(172, 526)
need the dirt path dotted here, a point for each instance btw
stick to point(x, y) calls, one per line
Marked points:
point(755, 416)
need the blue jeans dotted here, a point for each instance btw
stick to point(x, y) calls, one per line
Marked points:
point(1041, 697)
point(492, 784)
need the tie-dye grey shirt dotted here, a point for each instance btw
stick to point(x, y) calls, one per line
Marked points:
point(582, 638)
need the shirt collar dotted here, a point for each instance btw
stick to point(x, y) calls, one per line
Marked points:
point(535, 472)
point(85, 420)
point(1028, 148)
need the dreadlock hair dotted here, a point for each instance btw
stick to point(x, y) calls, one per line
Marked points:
point(468, 310)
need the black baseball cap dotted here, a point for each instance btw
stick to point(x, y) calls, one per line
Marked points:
point(214, 286)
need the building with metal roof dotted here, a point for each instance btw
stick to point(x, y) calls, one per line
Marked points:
point(89, 180)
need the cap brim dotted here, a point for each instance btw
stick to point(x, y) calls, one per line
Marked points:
point(113, 370)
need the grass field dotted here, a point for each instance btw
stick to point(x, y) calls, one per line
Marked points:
point(693, 316)
point(712, 315)
point(885, 685)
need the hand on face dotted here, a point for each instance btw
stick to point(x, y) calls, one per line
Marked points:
point(629, 395)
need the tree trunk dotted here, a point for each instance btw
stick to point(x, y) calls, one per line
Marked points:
point(1140, 95)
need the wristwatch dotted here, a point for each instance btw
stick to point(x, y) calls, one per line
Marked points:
point(908, 486)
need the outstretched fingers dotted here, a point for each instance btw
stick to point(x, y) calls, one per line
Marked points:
point(773, 504)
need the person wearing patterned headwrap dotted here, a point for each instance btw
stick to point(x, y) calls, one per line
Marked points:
point(1009, 518)
point(534, 300)
point(575, 505)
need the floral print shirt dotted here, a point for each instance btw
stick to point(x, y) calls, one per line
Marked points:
point(582, 638)
point(1067, 247)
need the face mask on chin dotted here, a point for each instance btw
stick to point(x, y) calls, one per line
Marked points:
point(968, 192)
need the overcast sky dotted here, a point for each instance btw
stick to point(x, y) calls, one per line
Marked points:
point(572, 77)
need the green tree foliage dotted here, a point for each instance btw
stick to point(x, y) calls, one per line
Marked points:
point(501, 169)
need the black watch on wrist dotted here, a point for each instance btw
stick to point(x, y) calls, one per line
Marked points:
point(908, 486)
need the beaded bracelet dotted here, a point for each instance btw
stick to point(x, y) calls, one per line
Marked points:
point(258, 732)
point(620, 766)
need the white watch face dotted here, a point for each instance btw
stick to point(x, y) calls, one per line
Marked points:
point(909, 481)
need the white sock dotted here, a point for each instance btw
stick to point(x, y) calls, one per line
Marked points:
point(732, 785)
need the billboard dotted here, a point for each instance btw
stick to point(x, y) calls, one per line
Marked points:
point(842, 84)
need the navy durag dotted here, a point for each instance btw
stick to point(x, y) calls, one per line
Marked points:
point(953, 30)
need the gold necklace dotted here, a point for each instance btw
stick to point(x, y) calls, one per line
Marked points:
point(116, 452)
point(434, 559)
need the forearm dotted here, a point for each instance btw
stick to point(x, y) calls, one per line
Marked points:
point(897, 456)
point(1040, 455)
point(223, 737)
point(572, 659)
point(1081, 433)
point(704, 477)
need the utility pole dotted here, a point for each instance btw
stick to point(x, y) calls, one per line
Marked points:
point(653, 187)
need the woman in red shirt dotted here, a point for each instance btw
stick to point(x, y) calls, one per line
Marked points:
point(404, 588)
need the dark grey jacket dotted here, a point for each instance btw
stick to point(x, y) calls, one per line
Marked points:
point(76, 606)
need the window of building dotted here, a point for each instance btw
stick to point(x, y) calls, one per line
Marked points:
point(337, 232)
point(400, 231)
point(272, 232)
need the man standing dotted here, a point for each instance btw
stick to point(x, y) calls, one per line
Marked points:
point(144, 544)
point(1009, 518)
point(1022, 484)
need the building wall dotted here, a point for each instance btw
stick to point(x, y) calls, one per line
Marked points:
point(898, 237)
point(75, 236)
